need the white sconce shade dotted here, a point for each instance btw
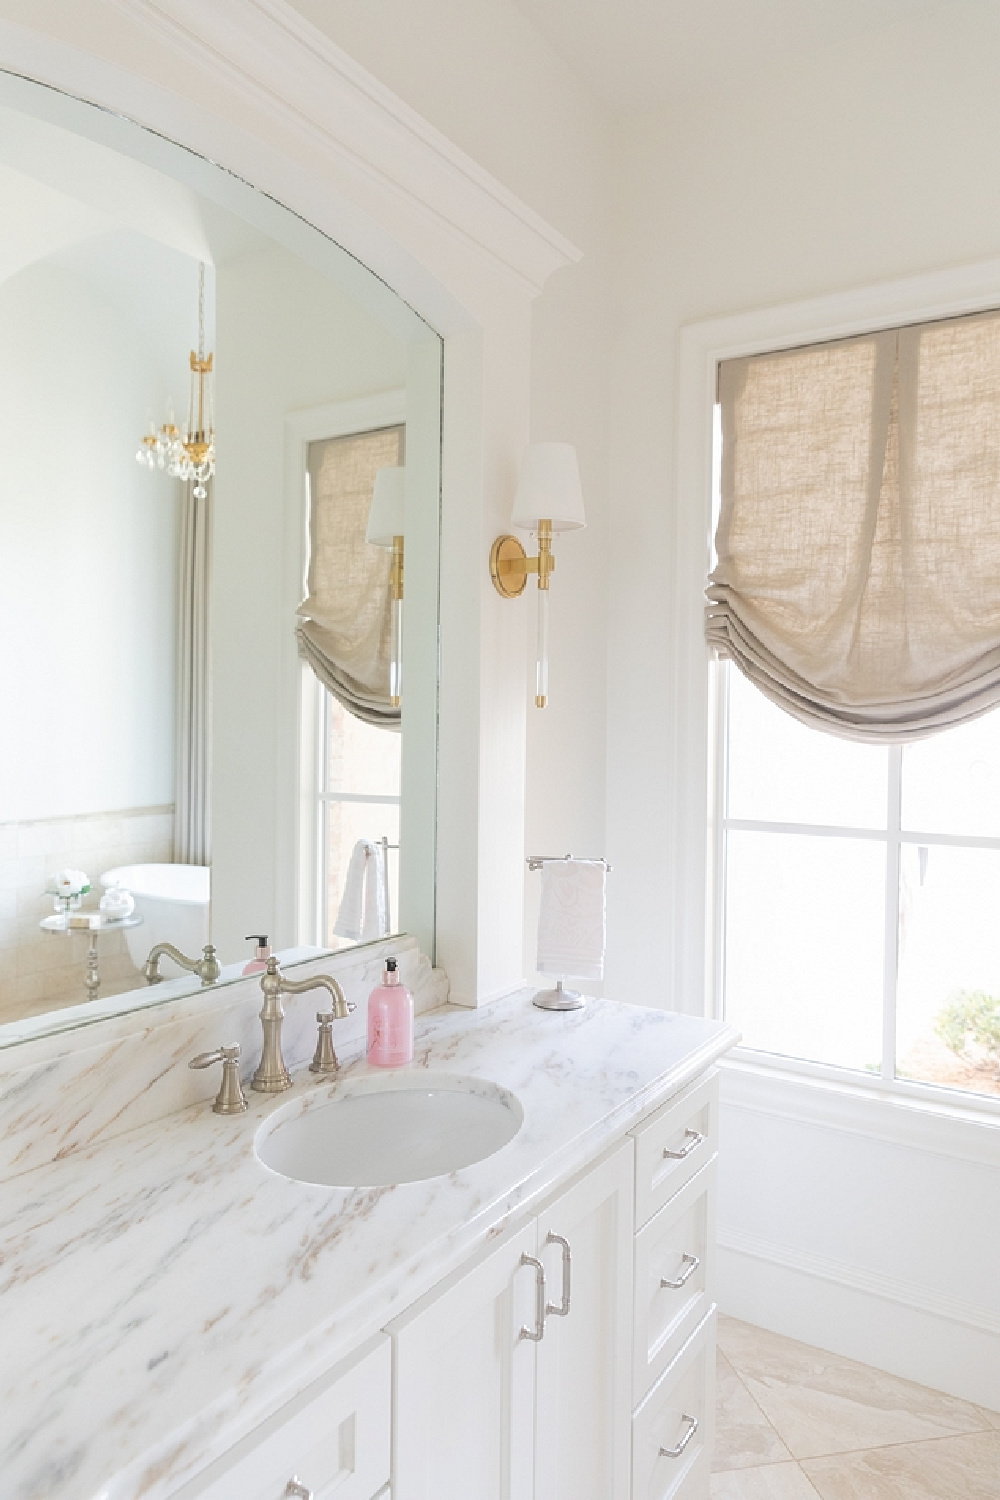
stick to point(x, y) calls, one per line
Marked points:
point(385, 519)
point(548, 488)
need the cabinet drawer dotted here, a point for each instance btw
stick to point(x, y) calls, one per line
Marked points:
point(677, 1245)
point(334, 1438)
point(673, 1431)
point(673, 1145)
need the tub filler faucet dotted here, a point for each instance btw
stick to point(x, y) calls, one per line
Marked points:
point(207, 967)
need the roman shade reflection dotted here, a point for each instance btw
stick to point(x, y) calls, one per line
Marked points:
point(344, 633)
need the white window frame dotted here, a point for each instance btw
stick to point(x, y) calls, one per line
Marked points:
point(300, 771)
point(696, 755)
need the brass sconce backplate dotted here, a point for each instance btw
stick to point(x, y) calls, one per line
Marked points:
point(508, 567)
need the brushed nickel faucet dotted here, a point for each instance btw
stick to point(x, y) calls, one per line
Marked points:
point(207, 967)
point(272, 1076)
point(230, 1099)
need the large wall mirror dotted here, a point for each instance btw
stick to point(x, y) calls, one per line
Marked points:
point(219, 696)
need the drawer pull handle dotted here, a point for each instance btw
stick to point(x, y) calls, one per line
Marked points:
point(296, 1487)
point(690, 1264)
point(678, 1448)
point(692, 1140)
point(537, 1333)
point(562, 1310)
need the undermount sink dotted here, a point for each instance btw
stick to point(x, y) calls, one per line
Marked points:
point(379, 1132)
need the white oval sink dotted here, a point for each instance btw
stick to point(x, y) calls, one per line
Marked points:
point(380, 1132)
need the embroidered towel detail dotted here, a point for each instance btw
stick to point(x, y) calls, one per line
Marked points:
point(571, 919)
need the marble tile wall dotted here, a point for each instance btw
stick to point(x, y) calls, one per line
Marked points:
point(797, 1423)
point(40, 971)
point(62, 1092)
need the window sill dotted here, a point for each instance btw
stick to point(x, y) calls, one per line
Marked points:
point(898, 1113)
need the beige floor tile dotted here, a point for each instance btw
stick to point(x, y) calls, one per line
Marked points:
point(819, 1403)
point(772, 1482)
point(956, 1468)
point(743, 1435)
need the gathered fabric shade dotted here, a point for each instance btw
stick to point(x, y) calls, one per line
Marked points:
point(344, 621)
point(858, 543)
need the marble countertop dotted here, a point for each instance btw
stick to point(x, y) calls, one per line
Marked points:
point(163, 1291)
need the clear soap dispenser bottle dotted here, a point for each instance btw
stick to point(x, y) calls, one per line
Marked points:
point(390, 1021)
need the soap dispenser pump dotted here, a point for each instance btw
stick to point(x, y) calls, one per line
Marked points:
point(390, 1021)
point(262, 953)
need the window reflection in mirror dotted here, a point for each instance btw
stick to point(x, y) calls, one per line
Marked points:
point(144, 699)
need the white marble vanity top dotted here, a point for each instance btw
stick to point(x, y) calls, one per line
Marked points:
point(163, 1291)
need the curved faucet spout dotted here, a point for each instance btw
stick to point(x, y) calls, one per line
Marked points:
point(272, 1076)
point(207, 968)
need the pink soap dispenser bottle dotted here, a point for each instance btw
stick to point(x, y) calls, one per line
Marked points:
point(261, 954)
point(390, 1021)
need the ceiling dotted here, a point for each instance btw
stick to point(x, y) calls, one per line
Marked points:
point(643, 54)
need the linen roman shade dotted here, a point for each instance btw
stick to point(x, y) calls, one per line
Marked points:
point(858, 542)
point(344, 621)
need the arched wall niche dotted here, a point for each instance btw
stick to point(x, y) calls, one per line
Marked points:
point(253, 87)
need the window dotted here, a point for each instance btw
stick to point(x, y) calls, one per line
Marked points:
point(358, 799)
point(858, 894)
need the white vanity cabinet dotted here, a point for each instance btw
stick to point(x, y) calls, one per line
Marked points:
point(332, 1442)
point(673, 1343)
point(511, 1385)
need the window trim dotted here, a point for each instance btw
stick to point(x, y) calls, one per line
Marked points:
point(299, 758)
point(694, 834)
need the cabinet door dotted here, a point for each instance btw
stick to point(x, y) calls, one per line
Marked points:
point(333, 1439)
point(583, 1397)
point(464, 1384)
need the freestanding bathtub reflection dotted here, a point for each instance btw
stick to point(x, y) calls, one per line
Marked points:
point(173, 901)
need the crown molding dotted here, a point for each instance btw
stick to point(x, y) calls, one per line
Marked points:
point(277, 62)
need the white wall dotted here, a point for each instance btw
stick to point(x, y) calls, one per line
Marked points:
point(481, 73)
point(862, 165)
point(287, 340)
point(87, 551)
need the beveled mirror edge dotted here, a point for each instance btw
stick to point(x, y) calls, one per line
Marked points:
point(91, 1014)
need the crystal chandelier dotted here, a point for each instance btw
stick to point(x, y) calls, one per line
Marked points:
point(188, 455)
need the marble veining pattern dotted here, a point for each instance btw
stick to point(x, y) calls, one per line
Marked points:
point(65, 1091)
point(164, 1291)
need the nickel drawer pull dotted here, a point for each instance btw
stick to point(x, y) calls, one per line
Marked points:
point(690, 1264)
point(562, 1310)
point(678, 1448)
point(296, 1487)
point(537, 1333)
point(692, 1140)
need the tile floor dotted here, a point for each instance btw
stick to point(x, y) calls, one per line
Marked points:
point(795, 1423)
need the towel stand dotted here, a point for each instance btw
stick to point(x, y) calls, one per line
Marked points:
point(560, 999)
point(535, 861)
point(386, 846)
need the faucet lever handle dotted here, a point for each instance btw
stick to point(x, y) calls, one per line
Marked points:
point(324, 1058)
point(230, 1099)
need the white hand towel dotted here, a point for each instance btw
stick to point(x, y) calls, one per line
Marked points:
point(350, 917)
point(571, 919)
point(362, 915)
point(376, 918)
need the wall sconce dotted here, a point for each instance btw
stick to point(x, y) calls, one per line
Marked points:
point(548, 499)
point(385, 529)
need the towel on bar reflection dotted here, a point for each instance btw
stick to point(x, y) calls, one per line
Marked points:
point(364, 906)
point(571, 919)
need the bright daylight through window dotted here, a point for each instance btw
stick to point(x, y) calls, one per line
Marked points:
point(861, 887)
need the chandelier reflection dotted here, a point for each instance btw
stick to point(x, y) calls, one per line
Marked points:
point(189, 454)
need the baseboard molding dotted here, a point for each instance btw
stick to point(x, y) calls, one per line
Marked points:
point(909, 1330)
